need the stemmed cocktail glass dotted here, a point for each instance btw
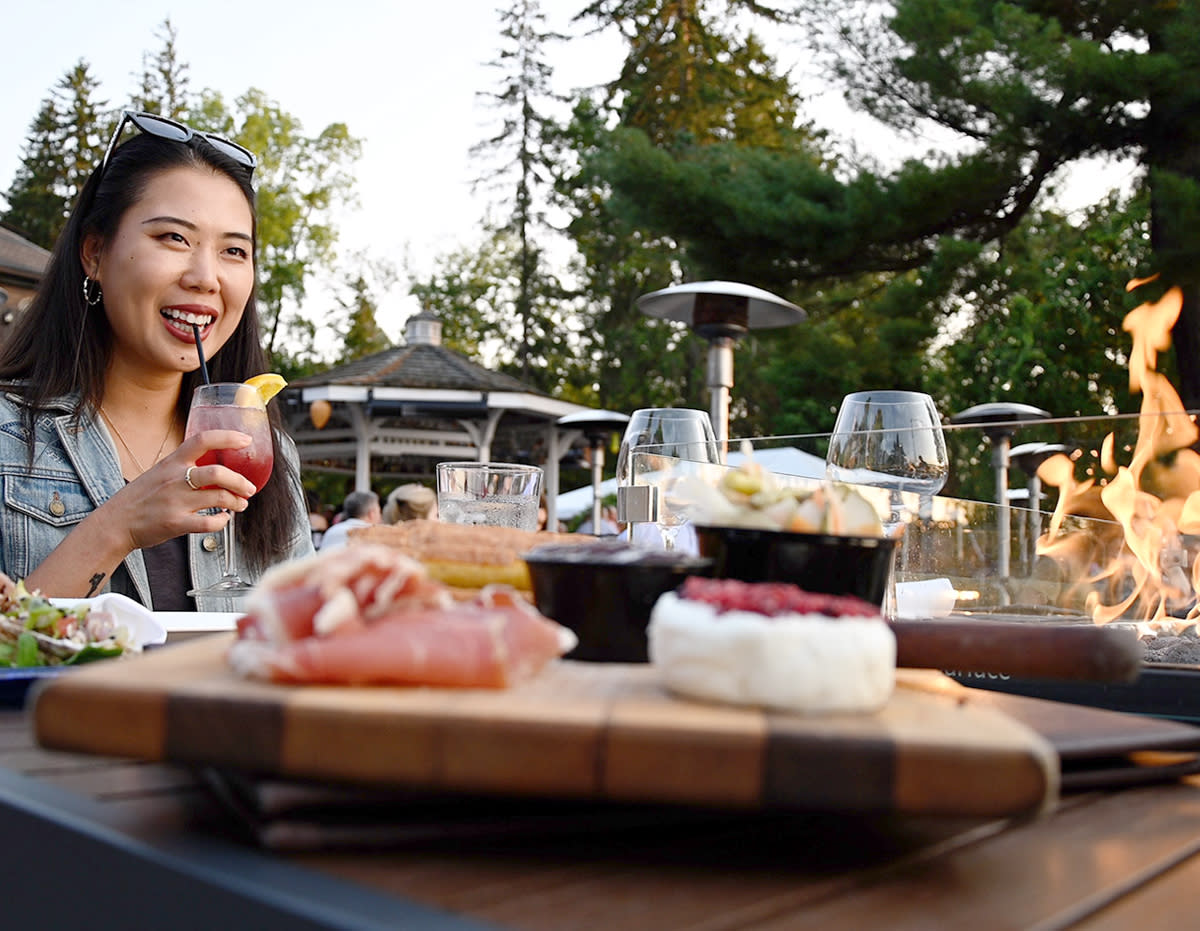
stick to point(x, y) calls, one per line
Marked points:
point(233, 406)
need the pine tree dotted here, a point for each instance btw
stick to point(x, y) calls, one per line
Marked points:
point(37, 205)
point(164, 78)
point(691, 78)
point(527, 317)
point(65, 143)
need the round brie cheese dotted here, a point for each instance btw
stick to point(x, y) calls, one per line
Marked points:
point(792, 662)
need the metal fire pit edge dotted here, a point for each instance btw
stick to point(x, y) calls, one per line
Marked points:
point(1162, 690)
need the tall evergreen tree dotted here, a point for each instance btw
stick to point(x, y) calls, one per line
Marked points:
point(358, 327)
point(527, 315)
point(36, 204)
point(691, 77)
point(164, 79)
point(65, 143)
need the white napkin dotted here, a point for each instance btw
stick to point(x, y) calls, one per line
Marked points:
point(926, 598)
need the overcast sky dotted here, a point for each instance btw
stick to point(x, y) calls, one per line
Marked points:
point(403, 75)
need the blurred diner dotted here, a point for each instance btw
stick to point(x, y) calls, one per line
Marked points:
point(410, 502)
point(360, 509)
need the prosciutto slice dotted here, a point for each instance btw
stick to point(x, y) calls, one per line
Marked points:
point(369, 615)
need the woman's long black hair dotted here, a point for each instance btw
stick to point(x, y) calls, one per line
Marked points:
point(61, 346)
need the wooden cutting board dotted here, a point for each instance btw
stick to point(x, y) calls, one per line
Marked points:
point(579, 730)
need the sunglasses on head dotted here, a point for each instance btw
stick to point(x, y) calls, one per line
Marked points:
point(177, 132)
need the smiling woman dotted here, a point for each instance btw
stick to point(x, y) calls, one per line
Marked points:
point(99, 489)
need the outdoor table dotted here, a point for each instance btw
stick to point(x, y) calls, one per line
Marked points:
point(105, 842)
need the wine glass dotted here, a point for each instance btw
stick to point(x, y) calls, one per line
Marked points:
point(233, 406)
point(661, 437)
point(891, 440)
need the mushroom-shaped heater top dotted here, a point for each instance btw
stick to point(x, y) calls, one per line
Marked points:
point(999, 418)
point(720, 308)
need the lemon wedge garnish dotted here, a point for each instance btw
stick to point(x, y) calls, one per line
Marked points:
point(267, 385)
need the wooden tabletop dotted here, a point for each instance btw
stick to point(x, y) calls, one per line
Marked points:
point(140, 843)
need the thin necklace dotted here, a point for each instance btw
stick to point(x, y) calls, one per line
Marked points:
point(157, 456)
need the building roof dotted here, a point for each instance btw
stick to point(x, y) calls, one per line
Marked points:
point(20, 258)
point(417, 366)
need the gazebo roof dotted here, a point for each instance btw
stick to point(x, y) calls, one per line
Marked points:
point(417, 366)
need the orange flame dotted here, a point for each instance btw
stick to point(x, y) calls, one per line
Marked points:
point(1140, 570)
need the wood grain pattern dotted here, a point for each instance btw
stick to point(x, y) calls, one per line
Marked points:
point(576, 731)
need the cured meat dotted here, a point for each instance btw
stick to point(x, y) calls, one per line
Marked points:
point(342, 588)
point(368, 615)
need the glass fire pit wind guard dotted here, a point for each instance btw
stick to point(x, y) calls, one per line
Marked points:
point(955, 541)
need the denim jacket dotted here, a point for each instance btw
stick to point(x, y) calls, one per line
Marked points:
point(75, 469)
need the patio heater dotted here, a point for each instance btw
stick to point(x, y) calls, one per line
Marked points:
point(597, 426)
point(1028, 457)
point(999, 420)
point(721, 312)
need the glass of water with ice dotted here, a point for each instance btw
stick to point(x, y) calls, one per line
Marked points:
point(499, 494)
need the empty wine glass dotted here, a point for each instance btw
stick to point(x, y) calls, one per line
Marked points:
point(663, 437)
point(891, 440)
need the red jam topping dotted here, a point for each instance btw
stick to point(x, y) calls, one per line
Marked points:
point(772, 598)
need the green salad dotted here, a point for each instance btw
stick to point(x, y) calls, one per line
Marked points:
point(36, 632)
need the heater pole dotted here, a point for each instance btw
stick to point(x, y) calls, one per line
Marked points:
point(720, 381)
point(1000, 446)
point(597, 480)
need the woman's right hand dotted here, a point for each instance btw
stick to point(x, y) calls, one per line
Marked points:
point(161, 504)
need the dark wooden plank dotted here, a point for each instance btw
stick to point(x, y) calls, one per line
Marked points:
point(678, 876)
point(183, 880)
point(1171, 891)
point(1032, 875)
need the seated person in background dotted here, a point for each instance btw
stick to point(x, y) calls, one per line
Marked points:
point(361, 509)
point(608, 523)
point(410, 502)
point(317, 521)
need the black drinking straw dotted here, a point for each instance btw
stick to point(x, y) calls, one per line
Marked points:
point(200, 353)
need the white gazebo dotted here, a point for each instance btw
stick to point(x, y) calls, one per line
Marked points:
point(399, 411)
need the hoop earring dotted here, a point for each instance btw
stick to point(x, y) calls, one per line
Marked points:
point(90, 297)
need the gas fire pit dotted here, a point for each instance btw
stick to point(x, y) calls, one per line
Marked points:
point(1167, 686)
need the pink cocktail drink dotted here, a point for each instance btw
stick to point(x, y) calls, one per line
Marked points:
point(233, 406)
point(256, 460)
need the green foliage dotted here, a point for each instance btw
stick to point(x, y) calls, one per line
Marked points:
point(164, 87)
point(690, 80)
point(525, 314)
point(476, 292)
point(357, 327)
point(65, 143)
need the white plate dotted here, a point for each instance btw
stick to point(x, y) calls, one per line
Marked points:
point(147, 630)
point(154, 627)
point(197, 622)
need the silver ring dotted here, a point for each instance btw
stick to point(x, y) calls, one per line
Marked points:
point(187, 477)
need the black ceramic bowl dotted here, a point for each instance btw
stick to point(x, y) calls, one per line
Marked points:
point(817, 562)
point(604, 592)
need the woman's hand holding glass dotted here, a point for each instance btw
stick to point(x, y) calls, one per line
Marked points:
point(161, 504)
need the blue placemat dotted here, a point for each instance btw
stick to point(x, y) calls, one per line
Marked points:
point(15, 683)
